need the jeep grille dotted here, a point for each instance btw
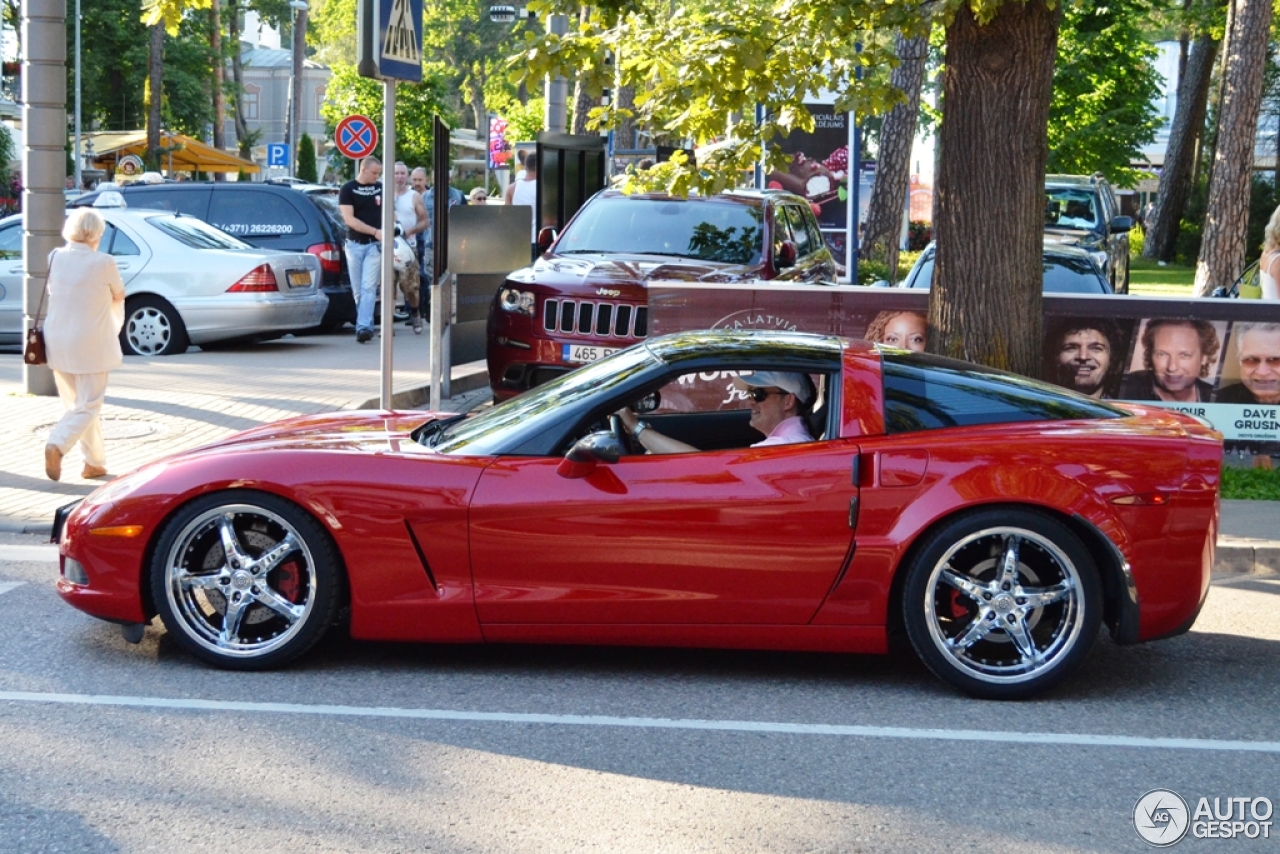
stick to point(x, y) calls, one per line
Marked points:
point(599, 319)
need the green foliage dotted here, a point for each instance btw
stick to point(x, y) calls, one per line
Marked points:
point(698, 65)
point(524, 121)
point(1262, 202)
point(1137, 240)
point(7, 155)
point(1104, 89)
point(1263, 199)
point(307, 159)
point(169, 12)
point(1253, 484)
point(416, 104)
point(333, 31)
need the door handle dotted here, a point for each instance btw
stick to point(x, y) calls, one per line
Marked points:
point(853, 513)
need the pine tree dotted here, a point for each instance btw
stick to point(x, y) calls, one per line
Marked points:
point(307, 159)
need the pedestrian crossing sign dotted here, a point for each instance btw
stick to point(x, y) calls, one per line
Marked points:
point(399, 39)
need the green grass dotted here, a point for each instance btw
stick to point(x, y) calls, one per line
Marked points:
point(1149, 279)
point(1255, 484)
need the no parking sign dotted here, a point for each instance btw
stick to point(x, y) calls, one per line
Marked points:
point(356, 136)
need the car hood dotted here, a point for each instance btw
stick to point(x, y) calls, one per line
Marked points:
point(613, 270)
point(1068, 236)
point(371, 430)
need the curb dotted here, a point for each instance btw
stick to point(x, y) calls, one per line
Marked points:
point(1238, 556)
point(462, 379)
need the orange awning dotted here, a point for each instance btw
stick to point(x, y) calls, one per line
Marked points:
point(186, 154)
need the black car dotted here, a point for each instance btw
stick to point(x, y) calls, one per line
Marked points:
point(272, 216)
point(1084, 209)
point(1067, 270)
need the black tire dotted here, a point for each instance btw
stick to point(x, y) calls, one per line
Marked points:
point(152, 327)
point(970, 606)
point(283, 582)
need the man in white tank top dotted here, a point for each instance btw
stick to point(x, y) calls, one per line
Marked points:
point(411, 215)
point(524, 191)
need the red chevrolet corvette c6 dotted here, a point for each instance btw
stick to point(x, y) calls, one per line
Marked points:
point(994, 521)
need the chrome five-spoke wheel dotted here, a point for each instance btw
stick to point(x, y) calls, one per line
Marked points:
point(1002, 604)
point(245, 580)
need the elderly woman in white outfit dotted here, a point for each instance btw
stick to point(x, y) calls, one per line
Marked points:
point(86, 311)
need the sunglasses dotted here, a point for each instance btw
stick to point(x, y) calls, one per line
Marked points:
point(759, 394)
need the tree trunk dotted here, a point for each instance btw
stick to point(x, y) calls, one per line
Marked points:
point(478, 108)
point(244, 142)
point(625, 134)
point(1226, 224)
point(883, 228)
point(582, 100)
point(219, 72)
point(298, 56)
point(155, 92)
point(986, 303)
point(1180, 156)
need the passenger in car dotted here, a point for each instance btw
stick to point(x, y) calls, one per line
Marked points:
point(779, 402)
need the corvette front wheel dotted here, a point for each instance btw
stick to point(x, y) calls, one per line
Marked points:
point(245, 580)
point(1002, 604)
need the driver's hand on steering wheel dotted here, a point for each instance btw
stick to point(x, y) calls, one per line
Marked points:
point(629, 418)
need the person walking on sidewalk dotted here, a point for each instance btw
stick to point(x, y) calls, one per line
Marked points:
point(82, 339)
point(360, 201)
point(411, 216)
point(524, 191)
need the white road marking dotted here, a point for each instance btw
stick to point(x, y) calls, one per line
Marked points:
point(1004, 737)
point(6, 586)
point(28, 554)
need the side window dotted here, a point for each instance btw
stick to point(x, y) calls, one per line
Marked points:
point(11, 243)
point(929, 393)
point(116, 242)
point(799, 230)
point(249, 214)
point(815, 231)
point(781, 227)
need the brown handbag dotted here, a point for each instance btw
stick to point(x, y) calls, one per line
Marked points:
point(33, 352)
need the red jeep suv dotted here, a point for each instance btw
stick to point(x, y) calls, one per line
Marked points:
point(586, 296)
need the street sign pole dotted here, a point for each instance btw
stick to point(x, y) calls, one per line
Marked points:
point(388, 236)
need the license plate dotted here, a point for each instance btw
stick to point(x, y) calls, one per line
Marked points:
point(582, 353)
point(299, 279)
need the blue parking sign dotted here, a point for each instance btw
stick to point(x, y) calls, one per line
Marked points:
point(278, 154)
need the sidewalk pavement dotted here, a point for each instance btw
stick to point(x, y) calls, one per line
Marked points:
point(159, 406)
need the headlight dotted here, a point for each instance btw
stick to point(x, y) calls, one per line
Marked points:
point(520, 302)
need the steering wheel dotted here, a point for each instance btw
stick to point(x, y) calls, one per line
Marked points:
point(620, 433)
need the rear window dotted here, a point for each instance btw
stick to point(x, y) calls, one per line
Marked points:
point(195, 233)
point(1062, 275)
point(708, 231)
point(250, 214)
point(1072, 276)
point(924, 392)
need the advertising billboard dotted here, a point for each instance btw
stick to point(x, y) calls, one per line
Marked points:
point(1216, 359)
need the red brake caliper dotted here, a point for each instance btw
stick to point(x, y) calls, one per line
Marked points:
point(287, 581)
point(958, 609)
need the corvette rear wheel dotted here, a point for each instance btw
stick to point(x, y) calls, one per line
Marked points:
point(245, 580)
point(1002, 604)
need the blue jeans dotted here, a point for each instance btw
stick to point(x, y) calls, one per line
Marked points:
point(364, 263)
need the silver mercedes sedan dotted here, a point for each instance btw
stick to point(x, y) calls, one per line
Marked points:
point(185, 283)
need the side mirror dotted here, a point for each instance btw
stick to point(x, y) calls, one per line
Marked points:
point(649, 403)
point(1121, 224)
point(786, 255)
point(588, 452)
point(546, 237)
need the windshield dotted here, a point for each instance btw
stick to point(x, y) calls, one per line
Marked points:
point(1068, 208)
point(567, 397)
point(724, 232)
point(196, 233)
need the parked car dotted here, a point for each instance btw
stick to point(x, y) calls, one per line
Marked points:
point(273, 216)
point(1084, 209)
point(185, 282)
point(1067, 270)
point(586, 296)
point(940, 498)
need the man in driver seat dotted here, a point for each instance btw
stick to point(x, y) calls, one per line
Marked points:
point(779, 400)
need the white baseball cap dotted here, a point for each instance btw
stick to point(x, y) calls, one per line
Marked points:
point(795, 383)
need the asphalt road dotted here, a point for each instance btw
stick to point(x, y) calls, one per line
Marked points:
point(384, 747)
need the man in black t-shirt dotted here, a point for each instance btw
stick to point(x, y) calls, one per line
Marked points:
point(360, 202)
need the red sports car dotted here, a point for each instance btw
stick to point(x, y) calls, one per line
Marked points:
point(994, 520)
